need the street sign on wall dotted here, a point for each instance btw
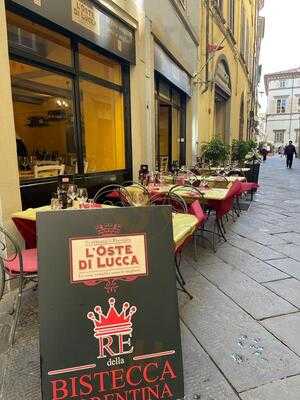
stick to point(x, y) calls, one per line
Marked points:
point(109, 325)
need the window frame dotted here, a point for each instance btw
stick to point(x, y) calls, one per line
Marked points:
point(281, 105)
point(282, 83)
point(73, 72)
point(279, 133)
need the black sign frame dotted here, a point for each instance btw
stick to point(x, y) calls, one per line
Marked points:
point(72, 361)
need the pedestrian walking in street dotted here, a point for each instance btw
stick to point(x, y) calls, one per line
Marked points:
point(264, 153)
point(290, 151)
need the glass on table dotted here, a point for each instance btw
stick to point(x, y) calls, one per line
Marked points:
point(72, 192)
point(55, 202)
point(82, 195)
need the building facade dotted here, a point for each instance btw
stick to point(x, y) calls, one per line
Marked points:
point(230, 39)
point(95, 87)
point(283, 109)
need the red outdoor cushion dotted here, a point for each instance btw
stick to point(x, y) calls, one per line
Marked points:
point(222, 207)
point(196, 209)
point(30, 264)
point(247, 186)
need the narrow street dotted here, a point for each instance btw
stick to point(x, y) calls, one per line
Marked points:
point(241, 331)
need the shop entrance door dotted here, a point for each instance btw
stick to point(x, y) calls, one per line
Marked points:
point(170, 126)
point(164, 135)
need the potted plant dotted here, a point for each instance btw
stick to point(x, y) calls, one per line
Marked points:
point(215, 152)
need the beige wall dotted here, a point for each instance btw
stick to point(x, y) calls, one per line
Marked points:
point(9, 178)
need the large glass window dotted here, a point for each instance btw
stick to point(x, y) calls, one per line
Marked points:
point(97, 65)
point(37, 40)
point(49, 133)
point(103, 127)
point(43, 111)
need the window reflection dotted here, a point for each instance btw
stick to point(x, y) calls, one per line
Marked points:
point(43, 112)
point(36, 39)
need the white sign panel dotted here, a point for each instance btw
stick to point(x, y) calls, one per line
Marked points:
point(86, 15)
point(107, 257)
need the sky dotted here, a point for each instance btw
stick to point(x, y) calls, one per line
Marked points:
point(280, 47)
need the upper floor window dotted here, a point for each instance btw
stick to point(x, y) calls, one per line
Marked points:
point(231, 15)
point(279, 136)
point(281, 105)
point(282, 84)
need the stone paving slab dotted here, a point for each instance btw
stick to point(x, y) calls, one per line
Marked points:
point(288, 289)
point(286, 389)
point(251, 266)
point(291, 237)
point(255, 249)
point(291, 250)
point(287, 265)
point(248, 294)
point(245, 352)
point(287, 329)
point(202, 379)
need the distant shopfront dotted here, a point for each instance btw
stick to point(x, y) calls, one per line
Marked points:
point(172, 91)
point(69, 65)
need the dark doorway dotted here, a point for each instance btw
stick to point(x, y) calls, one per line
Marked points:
point(170, 125)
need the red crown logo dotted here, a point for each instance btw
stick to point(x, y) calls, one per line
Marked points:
point(113, 323)
point(108, 229)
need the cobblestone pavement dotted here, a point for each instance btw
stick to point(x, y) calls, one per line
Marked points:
point(241, 331)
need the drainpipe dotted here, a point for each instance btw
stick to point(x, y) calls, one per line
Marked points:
point(292, 103)
point(254, 68)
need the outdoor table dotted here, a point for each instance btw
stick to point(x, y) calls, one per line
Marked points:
point(183, 225)
point(189, 194)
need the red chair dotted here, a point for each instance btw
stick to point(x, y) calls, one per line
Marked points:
point(245, 188)
point(222, 208)
point(196, 209)
point(22, 265)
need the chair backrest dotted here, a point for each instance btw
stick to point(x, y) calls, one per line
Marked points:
point(113, 194)
point(138, 193)
point(42, 171)
point(196, 209)
point(234, 189)
point(9, 249)
point(192, 190)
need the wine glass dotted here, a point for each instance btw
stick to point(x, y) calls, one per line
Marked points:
point(82, 195)
point(72, 192)
point(25, 163)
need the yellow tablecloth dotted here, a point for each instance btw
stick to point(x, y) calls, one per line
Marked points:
point(183, 224)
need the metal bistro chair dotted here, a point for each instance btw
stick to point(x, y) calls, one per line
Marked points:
point(16, 264)
point(139, 194)
point(113, 194)
point(178, 205)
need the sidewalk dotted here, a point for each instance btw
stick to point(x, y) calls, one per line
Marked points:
point(241, 331)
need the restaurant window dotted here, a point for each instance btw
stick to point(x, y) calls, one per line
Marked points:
point(38, 41)
point(297, 135)
point(279, 136)
point(50, 129)
point(103, 127)
point(281, 105)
